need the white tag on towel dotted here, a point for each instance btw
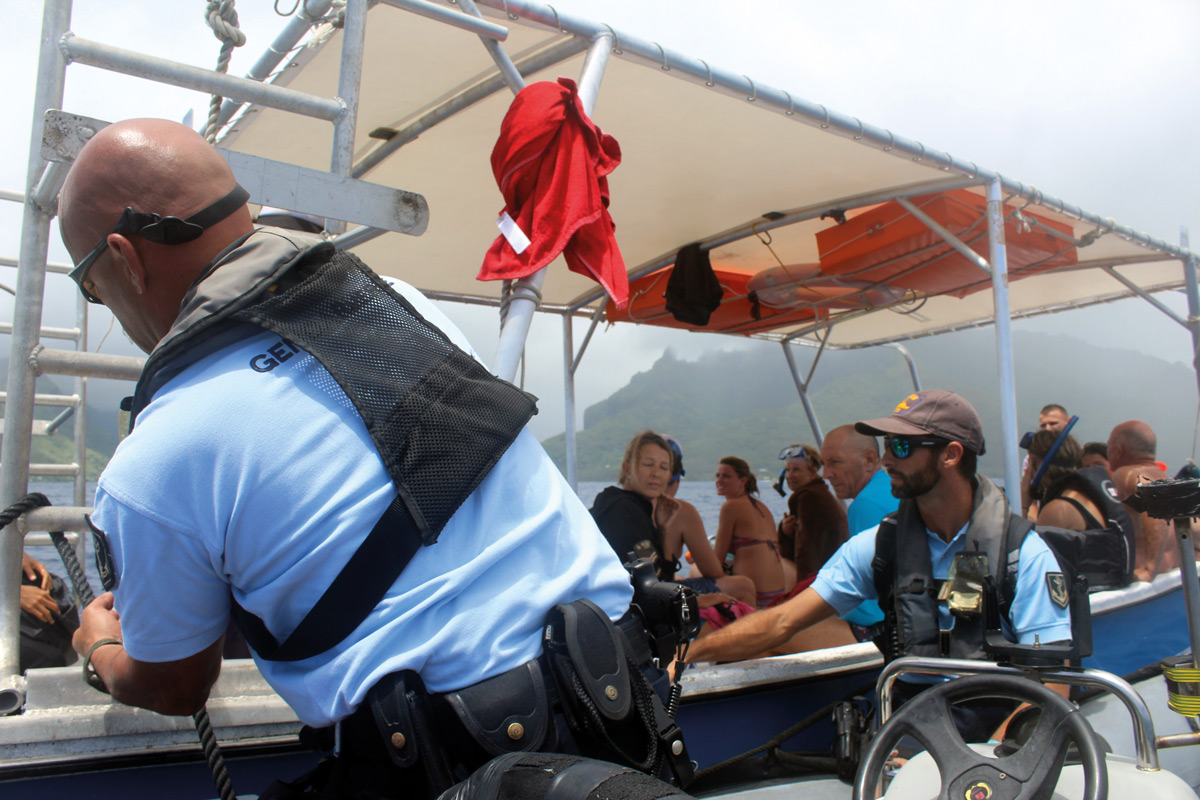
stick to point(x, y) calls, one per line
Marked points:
point(516, 237)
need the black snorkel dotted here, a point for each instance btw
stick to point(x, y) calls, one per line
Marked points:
point(1050, 454)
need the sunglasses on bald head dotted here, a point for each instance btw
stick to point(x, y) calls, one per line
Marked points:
point(158, 229)
point(902, 447)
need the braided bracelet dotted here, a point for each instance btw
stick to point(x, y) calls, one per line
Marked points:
point(90, 675)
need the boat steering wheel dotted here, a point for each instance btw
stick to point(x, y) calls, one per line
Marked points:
point(971, 775)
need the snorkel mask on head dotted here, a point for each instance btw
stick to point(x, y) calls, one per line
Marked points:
point(678, 452)
point(791, 451)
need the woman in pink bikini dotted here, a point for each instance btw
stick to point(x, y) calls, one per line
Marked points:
point(747, 529)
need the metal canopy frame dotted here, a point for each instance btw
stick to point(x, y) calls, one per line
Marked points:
point(44, 178)
point(59, 47)
point(517, 308)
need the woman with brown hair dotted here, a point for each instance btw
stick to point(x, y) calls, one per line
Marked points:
point(746, 528)
point(633, 515)
point(815, 525)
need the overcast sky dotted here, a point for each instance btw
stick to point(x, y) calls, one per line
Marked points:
point(1094, 102)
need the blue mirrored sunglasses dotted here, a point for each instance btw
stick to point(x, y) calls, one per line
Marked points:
point(902, 448)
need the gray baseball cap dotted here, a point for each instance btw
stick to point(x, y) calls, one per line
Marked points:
point(931, 412)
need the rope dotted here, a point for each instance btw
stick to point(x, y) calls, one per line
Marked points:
point(223, 19)
point(212, 754)
point(74, 569)
point(208, 738)
point(26, 504)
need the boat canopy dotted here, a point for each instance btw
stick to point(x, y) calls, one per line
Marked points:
point(757, 175)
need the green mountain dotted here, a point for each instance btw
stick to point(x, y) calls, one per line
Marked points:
point(745, 403)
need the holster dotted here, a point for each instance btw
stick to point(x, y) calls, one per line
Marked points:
point(400, 707)
point(608, 704)
point(507, 713)
point(579, 636)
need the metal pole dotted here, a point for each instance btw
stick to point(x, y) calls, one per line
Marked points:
point(162, 70)
point(944, 232)
point(88, 365)
point(572, 366)
point(1193, 301)
point(354, 238)
point(569, 399)
point(81, 415)
point(483, 89)
point(1142, 293)
point(527, 292)
point(508, 70)
point(470, 21)
point(291, 34)
point(354, 34)
point(802, 388)
point(1191, 589)
point(27, 319)
point(912, 366)
point(1004, 358)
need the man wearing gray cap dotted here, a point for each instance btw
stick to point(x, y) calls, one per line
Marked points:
point(948, 516)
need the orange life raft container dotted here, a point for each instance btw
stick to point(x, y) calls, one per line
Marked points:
point(887, 244)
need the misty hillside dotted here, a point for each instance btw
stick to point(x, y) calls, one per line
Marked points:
point(59, 448)
point(745, 402)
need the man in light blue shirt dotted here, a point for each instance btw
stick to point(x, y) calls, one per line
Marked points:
point(932, 441)
point(853, 470)
point(269, 450)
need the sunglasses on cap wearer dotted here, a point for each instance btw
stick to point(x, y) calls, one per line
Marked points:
point(160, 230)
point(902, 447)
point(793, 451)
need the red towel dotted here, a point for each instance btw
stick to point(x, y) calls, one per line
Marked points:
point(550, 163)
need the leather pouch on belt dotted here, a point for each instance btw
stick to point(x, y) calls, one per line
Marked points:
point(593, 647)
point(394, 718)
point(507, 713)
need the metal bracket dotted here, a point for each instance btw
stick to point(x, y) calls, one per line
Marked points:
point(273, 183)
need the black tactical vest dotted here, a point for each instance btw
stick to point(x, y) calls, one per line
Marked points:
point(903, 576)
point(438, 418)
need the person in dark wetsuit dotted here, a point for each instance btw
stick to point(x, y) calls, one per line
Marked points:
point(633, 515)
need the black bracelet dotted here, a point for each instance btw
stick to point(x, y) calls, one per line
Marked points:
point(90, 675)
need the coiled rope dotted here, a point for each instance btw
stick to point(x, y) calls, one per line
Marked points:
point(222, 17)
point(204, 728)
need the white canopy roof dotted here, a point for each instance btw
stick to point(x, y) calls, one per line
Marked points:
point(705, 155)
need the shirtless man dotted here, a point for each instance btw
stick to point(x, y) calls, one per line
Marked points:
point(1131, 454)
